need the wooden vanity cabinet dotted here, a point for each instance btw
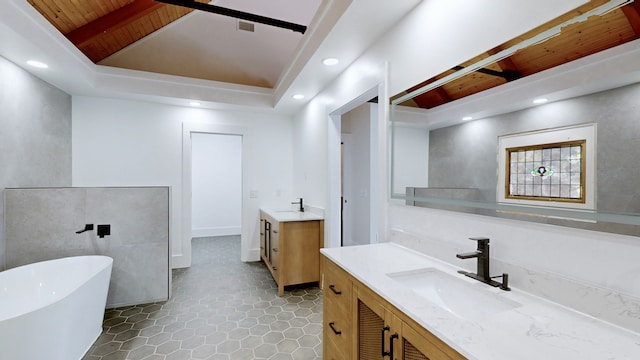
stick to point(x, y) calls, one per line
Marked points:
point(291, 250)
point(337, 314)
point(376, 330)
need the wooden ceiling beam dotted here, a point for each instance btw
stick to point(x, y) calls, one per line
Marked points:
point(431, 98)
point(505, 64)
point(632, 12)
point(112, 21)
point(443, 94)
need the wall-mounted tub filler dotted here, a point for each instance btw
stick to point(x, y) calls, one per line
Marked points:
point(102, 230)
point(87, 227)
point(482, 274)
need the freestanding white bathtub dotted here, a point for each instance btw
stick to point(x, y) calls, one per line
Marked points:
point(53, 309)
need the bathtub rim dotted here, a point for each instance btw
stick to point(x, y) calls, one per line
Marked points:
point(105, 262)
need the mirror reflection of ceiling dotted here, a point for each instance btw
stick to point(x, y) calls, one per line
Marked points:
point(151, 36)
point(575, 41)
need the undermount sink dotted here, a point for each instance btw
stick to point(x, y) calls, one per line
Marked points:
point(457, 296)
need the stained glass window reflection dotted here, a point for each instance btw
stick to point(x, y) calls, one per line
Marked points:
point(549, 172)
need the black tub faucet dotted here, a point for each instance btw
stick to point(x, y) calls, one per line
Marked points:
point(482, 273)
point(87, 227)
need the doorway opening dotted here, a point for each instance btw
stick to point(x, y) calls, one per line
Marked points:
point(216, 185)
point(235, 137)
point(355, 154)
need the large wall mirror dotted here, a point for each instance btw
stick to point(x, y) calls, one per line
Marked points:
point(472, 140)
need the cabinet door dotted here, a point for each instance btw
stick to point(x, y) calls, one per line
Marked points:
point(300, 243)
point(378, 329)
point(416, 346)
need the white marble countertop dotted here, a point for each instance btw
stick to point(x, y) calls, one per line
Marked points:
point(286, 215)
point(536, 329)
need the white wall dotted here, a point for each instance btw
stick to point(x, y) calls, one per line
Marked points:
point(216, 184)
point(129, 143)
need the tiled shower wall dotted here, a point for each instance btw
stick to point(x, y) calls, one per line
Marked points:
point(41, 224)
point(35, 134)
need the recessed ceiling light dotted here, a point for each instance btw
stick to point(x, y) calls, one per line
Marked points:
point(37, 64)
point(330, 61)
point(540, 101)
point(298, 96)
point(194, 103)
point(467, 118)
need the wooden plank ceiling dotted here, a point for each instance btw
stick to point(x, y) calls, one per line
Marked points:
point(100, 28)
point(575, 41)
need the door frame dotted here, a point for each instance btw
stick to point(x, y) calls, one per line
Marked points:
point(378, 174)
point(182, 256)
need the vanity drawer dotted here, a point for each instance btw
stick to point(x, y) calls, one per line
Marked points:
point(337, 331)
point(337, 287)
point(338, 324)
point(330, 351)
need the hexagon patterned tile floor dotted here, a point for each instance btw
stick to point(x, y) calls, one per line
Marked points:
point(221, 308)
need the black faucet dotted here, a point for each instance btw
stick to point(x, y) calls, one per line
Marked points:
point(482, 274)
point(87, 227)
point(301, 205)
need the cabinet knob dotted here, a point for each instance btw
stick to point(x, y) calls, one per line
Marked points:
point(274, 268)
point(275, 249)
point(275, 231)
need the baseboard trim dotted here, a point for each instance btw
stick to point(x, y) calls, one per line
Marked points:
point(217, 231)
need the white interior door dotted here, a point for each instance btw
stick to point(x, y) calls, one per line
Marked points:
point(358, 175)
point(346, 190)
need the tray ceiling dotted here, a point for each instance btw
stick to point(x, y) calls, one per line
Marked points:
point(168, 39)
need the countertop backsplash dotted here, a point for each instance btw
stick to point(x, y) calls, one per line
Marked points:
point(550, 268)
